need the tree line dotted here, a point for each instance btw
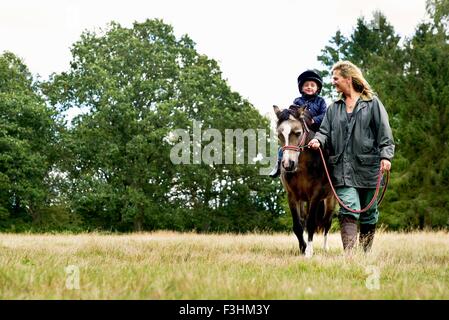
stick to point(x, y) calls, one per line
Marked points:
point(110, 169)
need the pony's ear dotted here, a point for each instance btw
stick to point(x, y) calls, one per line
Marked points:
point(276, 111)
point(295, 111)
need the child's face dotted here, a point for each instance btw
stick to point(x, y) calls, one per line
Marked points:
point(309, 87)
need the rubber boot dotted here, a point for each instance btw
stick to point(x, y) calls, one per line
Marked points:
point(348, 232)
point(367, 236)
point(276, 171)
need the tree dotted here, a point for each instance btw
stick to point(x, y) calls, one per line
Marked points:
point(137, 85)
point(421, 187)
point(28, 138)
point(373, 47)
point(335, 51)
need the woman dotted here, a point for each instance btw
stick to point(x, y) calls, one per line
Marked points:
point(356, 131)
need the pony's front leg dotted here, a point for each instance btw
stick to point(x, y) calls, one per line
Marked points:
point(325, 244)
point(309, 250)
point(313, 207)
point(303, 212)
point(297, 225)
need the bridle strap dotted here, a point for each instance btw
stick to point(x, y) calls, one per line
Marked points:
point(300, 147)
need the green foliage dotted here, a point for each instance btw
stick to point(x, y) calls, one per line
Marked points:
point(28, 138)
point(335, 51)
point(137, 85)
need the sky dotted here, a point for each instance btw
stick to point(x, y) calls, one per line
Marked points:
point(261, 45)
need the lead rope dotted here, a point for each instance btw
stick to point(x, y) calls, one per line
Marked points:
point(379, 179)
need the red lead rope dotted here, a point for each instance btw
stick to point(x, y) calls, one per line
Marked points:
point(373, 200)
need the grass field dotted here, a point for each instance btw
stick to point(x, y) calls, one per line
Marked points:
point(166, 265)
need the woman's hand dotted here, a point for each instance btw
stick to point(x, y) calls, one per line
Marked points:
point(314, 144)
point(385, 165)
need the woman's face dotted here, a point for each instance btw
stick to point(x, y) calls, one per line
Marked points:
point(341, 84)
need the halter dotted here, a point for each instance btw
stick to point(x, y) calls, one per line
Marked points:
point(301, 146)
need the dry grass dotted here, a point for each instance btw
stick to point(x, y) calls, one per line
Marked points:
point(167, 265)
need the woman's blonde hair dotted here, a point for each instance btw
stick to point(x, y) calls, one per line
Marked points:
point(348, 69)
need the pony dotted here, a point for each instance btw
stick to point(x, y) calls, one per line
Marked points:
point(310, 198)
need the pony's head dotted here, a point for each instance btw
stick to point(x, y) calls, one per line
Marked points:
point(292, 134)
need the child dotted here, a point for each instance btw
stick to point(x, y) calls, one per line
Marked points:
point(309, 84)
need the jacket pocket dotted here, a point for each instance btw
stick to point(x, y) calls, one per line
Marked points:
point(366, 170)
point(334, 159)
point(367, 145)
point(368, 160)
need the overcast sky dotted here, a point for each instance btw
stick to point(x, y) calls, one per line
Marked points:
point(261, 45)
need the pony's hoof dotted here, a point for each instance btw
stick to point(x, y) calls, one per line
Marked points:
point(309, 252)
point(326, 244)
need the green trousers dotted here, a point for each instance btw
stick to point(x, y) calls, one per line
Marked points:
point(356, 199)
